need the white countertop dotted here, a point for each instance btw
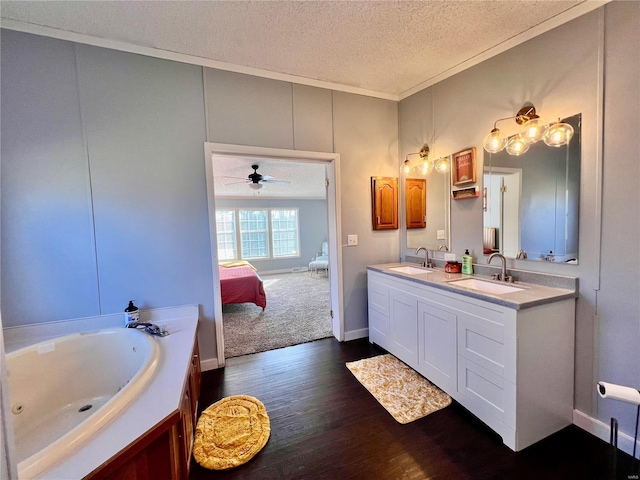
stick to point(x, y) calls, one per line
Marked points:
point(531, 294)
point(160, 398)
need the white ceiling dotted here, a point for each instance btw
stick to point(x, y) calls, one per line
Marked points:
point(388, 49)
point(307, 179)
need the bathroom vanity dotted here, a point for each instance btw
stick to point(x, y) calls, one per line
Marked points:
point(503, 351)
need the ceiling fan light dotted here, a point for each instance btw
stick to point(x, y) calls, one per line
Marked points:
point(558, 134)
point(256, 186)
point(534, 129)
point(494, 142)
point(517, 145)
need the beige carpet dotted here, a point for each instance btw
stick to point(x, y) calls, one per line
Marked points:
point(403, 392)
point(298, 311)
point(231, 432)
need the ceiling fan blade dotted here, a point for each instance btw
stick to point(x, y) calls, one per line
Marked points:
point(235, 183)
point(267, 177)
point(282, 182)
point(235, 178)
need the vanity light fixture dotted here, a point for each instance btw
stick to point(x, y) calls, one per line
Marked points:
point(533, 129)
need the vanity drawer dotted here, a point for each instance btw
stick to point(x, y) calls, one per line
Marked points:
point(378, 328)
point(378, 296)
point(490, 392)
point(485, 343)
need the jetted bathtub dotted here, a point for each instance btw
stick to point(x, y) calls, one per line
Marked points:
point(63, 390)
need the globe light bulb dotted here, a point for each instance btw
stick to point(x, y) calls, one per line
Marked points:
point(494, 142)
point(517, 145)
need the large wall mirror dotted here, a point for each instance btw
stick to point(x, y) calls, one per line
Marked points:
point(434, 233)
point(531, 202)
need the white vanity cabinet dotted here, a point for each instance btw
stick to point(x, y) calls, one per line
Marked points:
point(511, 368)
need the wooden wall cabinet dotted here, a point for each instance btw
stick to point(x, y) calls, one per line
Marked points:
point(164, 452)
point(416, 202)
point(384, 203)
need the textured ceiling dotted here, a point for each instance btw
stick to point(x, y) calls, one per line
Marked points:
point(381, 46)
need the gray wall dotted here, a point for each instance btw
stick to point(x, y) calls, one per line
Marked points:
point(561, 82)
point(617, 316)
point(361, 129)
point(312, 215)
point(103, 195)
point(103, 178)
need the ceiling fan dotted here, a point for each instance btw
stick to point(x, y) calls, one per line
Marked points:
point(257, 180)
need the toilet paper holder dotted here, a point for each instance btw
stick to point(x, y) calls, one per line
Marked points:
point(623, 394)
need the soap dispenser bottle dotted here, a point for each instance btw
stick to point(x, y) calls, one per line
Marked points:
point(467, 263)
point(131, 314)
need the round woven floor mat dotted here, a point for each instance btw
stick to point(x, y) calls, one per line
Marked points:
point(231, 432)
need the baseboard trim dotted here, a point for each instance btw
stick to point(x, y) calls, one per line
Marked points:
point(209, 364)
point(603, 431)
point(356, 334)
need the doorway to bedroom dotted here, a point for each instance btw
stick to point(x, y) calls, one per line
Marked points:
point(272, 213)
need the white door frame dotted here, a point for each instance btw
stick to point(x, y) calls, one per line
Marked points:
point(332, 163)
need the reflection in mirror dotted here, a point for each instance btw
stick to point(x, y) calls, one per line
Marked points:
point(430, 194)
point(531, 202)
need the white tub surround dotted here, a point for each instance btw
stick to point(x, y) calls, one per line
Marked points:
point(504, 354)
point(161, 399)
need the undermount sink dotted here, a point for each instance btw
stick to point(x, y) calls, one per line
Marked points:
point(484, 286)
point(409, 270)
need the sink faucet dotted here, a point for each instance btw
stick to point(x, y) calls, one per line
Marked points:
point(521, 254)
point(427, 262)
point(503, 273)
point(442, 247)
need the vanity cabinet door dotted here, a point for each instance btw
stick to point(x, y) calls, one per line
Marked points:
point(437, 345)
point(403, 326)
point(487, 393)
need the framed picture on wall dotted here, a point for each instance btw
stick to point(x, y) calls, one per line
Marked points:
point(463, 167)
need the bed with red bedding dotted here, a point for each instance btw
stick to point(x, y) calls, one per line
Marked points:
point(241, 284)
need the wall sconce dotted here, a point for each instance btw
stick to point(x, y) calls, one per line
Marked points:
point(533, 129)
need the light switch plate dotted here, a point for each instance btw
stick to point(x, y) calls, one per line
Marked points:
point(449, 257)
point(439, 234)
point(352, 240)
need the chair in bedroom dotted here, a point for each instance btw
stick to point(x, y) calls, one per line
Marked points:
point(321, 262)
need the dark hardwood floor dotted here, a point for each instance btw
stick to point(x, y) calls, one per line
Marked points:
point(325, 424)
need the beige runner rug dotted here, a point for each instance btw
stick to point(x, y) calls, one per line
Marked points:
point(403, 392)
